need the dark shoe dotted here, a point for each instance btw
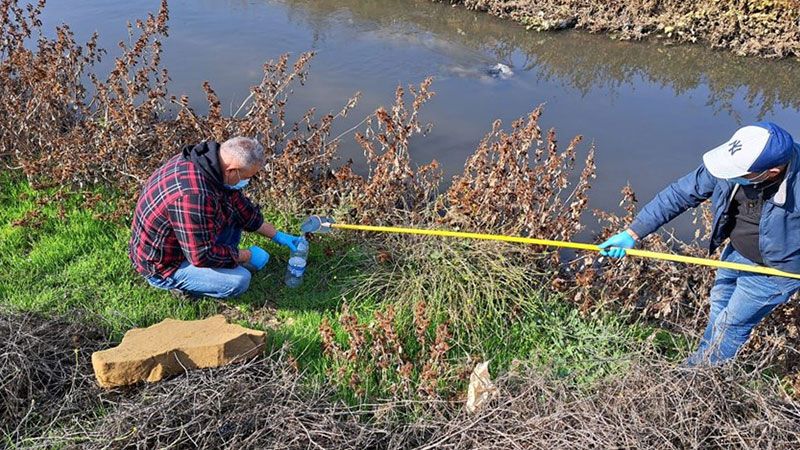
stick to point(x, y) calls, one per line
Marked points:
point(249, 267)
point(182, 295)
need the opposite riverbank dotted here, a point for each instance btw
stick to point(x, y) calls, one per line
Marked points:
point(763, 28)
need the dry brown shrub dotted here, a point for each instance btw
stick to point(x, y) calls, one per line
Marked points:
point(65, 138)
point(517, 184)
point(378, 359)
point(58, 133)
point(393, 186)
point(671, 293)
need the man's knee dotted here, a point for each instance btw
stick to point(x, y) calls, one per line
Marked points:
point(234, 283)
point(237, 283)
point(214, 283)
point(722, 290)
point(734, 327)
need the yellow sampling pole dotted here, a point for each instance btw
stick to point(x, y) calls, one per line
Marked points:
point(573, 245)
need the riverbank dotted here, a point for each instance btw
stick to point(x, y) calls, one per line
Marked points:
point(764, 28)
point(374, 350)
point(561, 379)
point(520, 180)
point(68, 289)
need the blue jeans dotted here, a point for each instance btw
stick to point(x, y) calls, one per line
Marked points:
point(739, 300)
point(207, 281)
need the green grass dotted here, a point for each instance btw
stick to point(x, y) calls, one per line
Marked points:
point(70, 258)
point(60, 262)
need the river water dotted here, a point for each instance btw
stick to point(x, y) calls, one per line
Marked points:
point(651, 110)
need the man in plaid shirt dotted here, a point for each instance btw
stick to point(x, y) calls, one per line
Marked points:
point(190, 216)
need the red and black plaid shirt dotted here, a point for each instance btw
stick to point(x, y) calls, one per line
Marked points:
point(178, 217)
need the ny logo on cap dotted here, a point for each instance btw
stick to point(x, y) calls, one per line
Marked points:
point(735, 146)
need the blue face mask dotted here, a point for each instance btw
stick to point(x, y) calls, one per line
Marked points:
point(742, 181)
point(240, 185)
point(243, 182)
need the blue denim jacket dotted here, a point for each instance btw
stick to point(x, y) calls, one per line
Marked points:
point(779, 230)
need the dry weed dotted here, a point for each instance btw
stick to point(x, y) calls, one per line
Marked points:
point(377, 361)
point(45, 373)
point(265, 403)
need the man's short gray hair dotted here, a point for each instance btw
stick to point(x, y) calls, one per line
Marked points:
point(248, 152)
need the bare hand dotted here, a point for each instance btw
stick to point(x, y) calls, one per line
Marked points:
point(244, 256)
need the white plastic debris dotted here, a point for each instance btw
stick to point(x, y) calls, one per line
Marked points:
point(481, 389)
point(501, 71)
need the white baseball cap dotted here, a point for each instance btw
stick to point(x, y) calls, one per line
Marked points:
point(752, 149)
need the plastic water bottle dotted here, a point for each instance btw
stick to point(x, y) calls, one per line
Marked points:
point(297, 265)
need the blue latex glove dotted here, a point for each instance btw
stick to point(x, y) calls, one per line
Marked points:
point(287, 240)
point(258, 257)
point(617, 243)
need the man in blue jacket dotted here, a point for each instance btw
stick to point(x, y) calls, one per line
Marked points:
point(755, 196)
